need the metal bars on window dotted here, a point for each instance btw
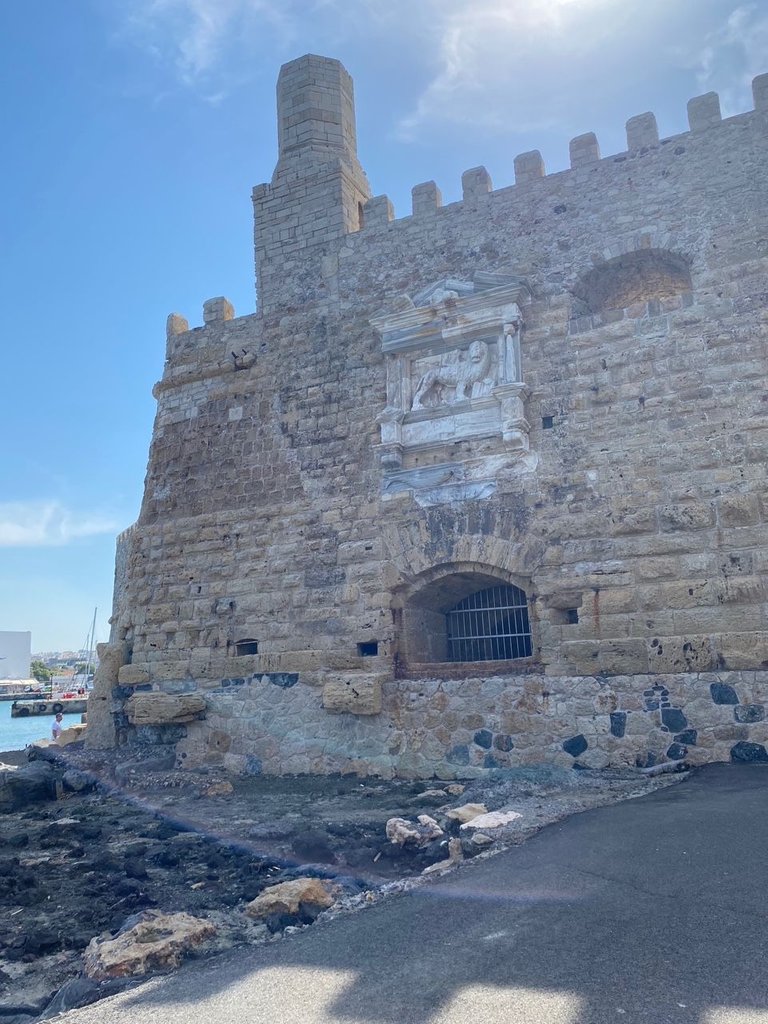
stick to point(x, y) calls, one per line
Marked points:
point(490, 625)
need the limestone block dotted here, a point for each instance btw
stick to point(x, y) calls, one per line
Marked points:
point(101, 733)
point(475, 182)
point(111, 658)
point(378, 210)
point(743, 650)
point(584, 149)
point(217, 310)
point(642, 131)
point(681, 654)
point(175, 324)
point(170, 670)
point(288, 898)
point(73, 734)
point(528, 167)
point(163, 708)
point(738, 510)
point(617, 657)
point(491, 820)
point(160, 612)
point(402, 832)
point(581, 656)
point(132, 675)
point(467, 812)
point(356, 693)
point(156, 942)
point(426, 198)
point(760, 92)
point(704, 111)
point(690, 516)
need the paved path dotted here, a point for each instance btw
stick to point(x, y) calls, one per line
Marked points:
point(654, 910)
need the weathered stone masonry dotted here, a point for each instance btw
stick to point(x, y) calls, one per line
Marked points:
point(556, 389)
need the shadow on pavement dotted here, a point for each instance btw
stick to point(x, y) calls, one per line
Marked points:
point(651, 910)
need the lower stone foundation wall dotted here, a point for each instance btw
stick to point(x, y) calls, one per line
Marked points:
point(276, 724)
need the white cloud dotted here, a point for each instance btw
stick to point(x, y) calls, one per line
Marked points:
point(47, 524)
point(728, 57)
point(493, 58)
point(482, 61)
point(523, 65)
point(198, 37)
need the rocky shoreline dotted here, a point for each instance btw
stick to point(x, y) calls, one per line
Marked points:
point(98, 847)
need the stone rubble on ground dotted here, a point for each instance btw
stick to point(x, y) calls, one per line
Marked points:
point(493, 819)
point(455, 855)
point(151, 941)
point(290, 898)
point(422, 831)
point(466, 812)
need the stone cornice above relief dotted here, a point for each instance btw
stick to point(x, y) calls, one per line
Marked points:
point(452, 309)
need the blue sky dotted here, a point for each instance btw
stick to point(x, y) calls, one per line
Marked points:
point(134, 131)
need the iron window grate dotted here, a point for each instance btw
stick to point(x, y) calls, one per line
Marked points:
point(490, 625)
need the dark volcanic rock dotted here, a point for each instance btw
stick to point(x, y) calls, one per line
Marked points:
point(722, 693)
point(674, 719)
point(618, 723)
point(749, 713)
point(749, 752)
point(575, 745)
point(27, 785)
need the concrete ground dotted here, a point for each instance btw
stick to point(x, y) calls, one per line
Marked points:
point(654, 910)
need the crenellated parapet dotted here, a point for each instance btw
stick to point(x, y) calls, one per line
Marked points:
point(221, 346)
point(642, 136)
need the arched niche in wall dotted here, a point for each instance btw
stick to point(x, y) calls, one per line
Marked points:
point(639, 277)
point(463, 614)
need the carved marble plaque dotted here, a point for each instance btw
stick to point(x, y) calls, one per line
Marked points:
point(453, 377)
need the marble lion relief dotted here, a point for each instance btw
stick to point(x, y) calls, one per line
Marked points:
point(454, 372)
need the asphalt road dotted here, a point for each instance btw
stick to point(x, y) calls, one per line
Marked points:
point(654, 910)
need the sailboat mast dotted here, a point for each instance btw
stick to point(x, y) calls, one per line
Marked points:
point(91, 638)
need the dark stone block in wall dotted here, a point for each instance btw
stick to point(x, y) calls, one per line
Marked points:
point(238, 681)
point(483, 738)
point(253, 765)
point(687, 736)
point(674, 719)
point(618, 723)
point(502, 741)
point(458, 754)
point(749, 713)
point(722, 693)
point(575, 745)
point(676, 751)
point(282, 679)
point(749, 752)
point(122, 692)
point(489, 761)
point(157, 735)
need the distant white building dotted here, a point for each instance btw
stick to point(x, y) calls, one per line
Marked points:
point(15, 654)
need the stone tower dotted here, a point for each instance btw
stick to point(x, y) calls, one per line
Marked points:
point(476, 487)
point(319, 189)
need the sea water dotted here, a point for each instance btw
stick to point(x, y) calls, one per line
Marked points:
point(16, 733)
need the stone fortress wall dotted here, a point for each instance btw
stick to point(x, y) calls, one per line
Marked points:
point(557, 385)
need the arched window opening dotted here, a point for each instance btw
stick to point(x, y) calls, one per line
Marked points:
point(490, 625)
point(464, 616)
